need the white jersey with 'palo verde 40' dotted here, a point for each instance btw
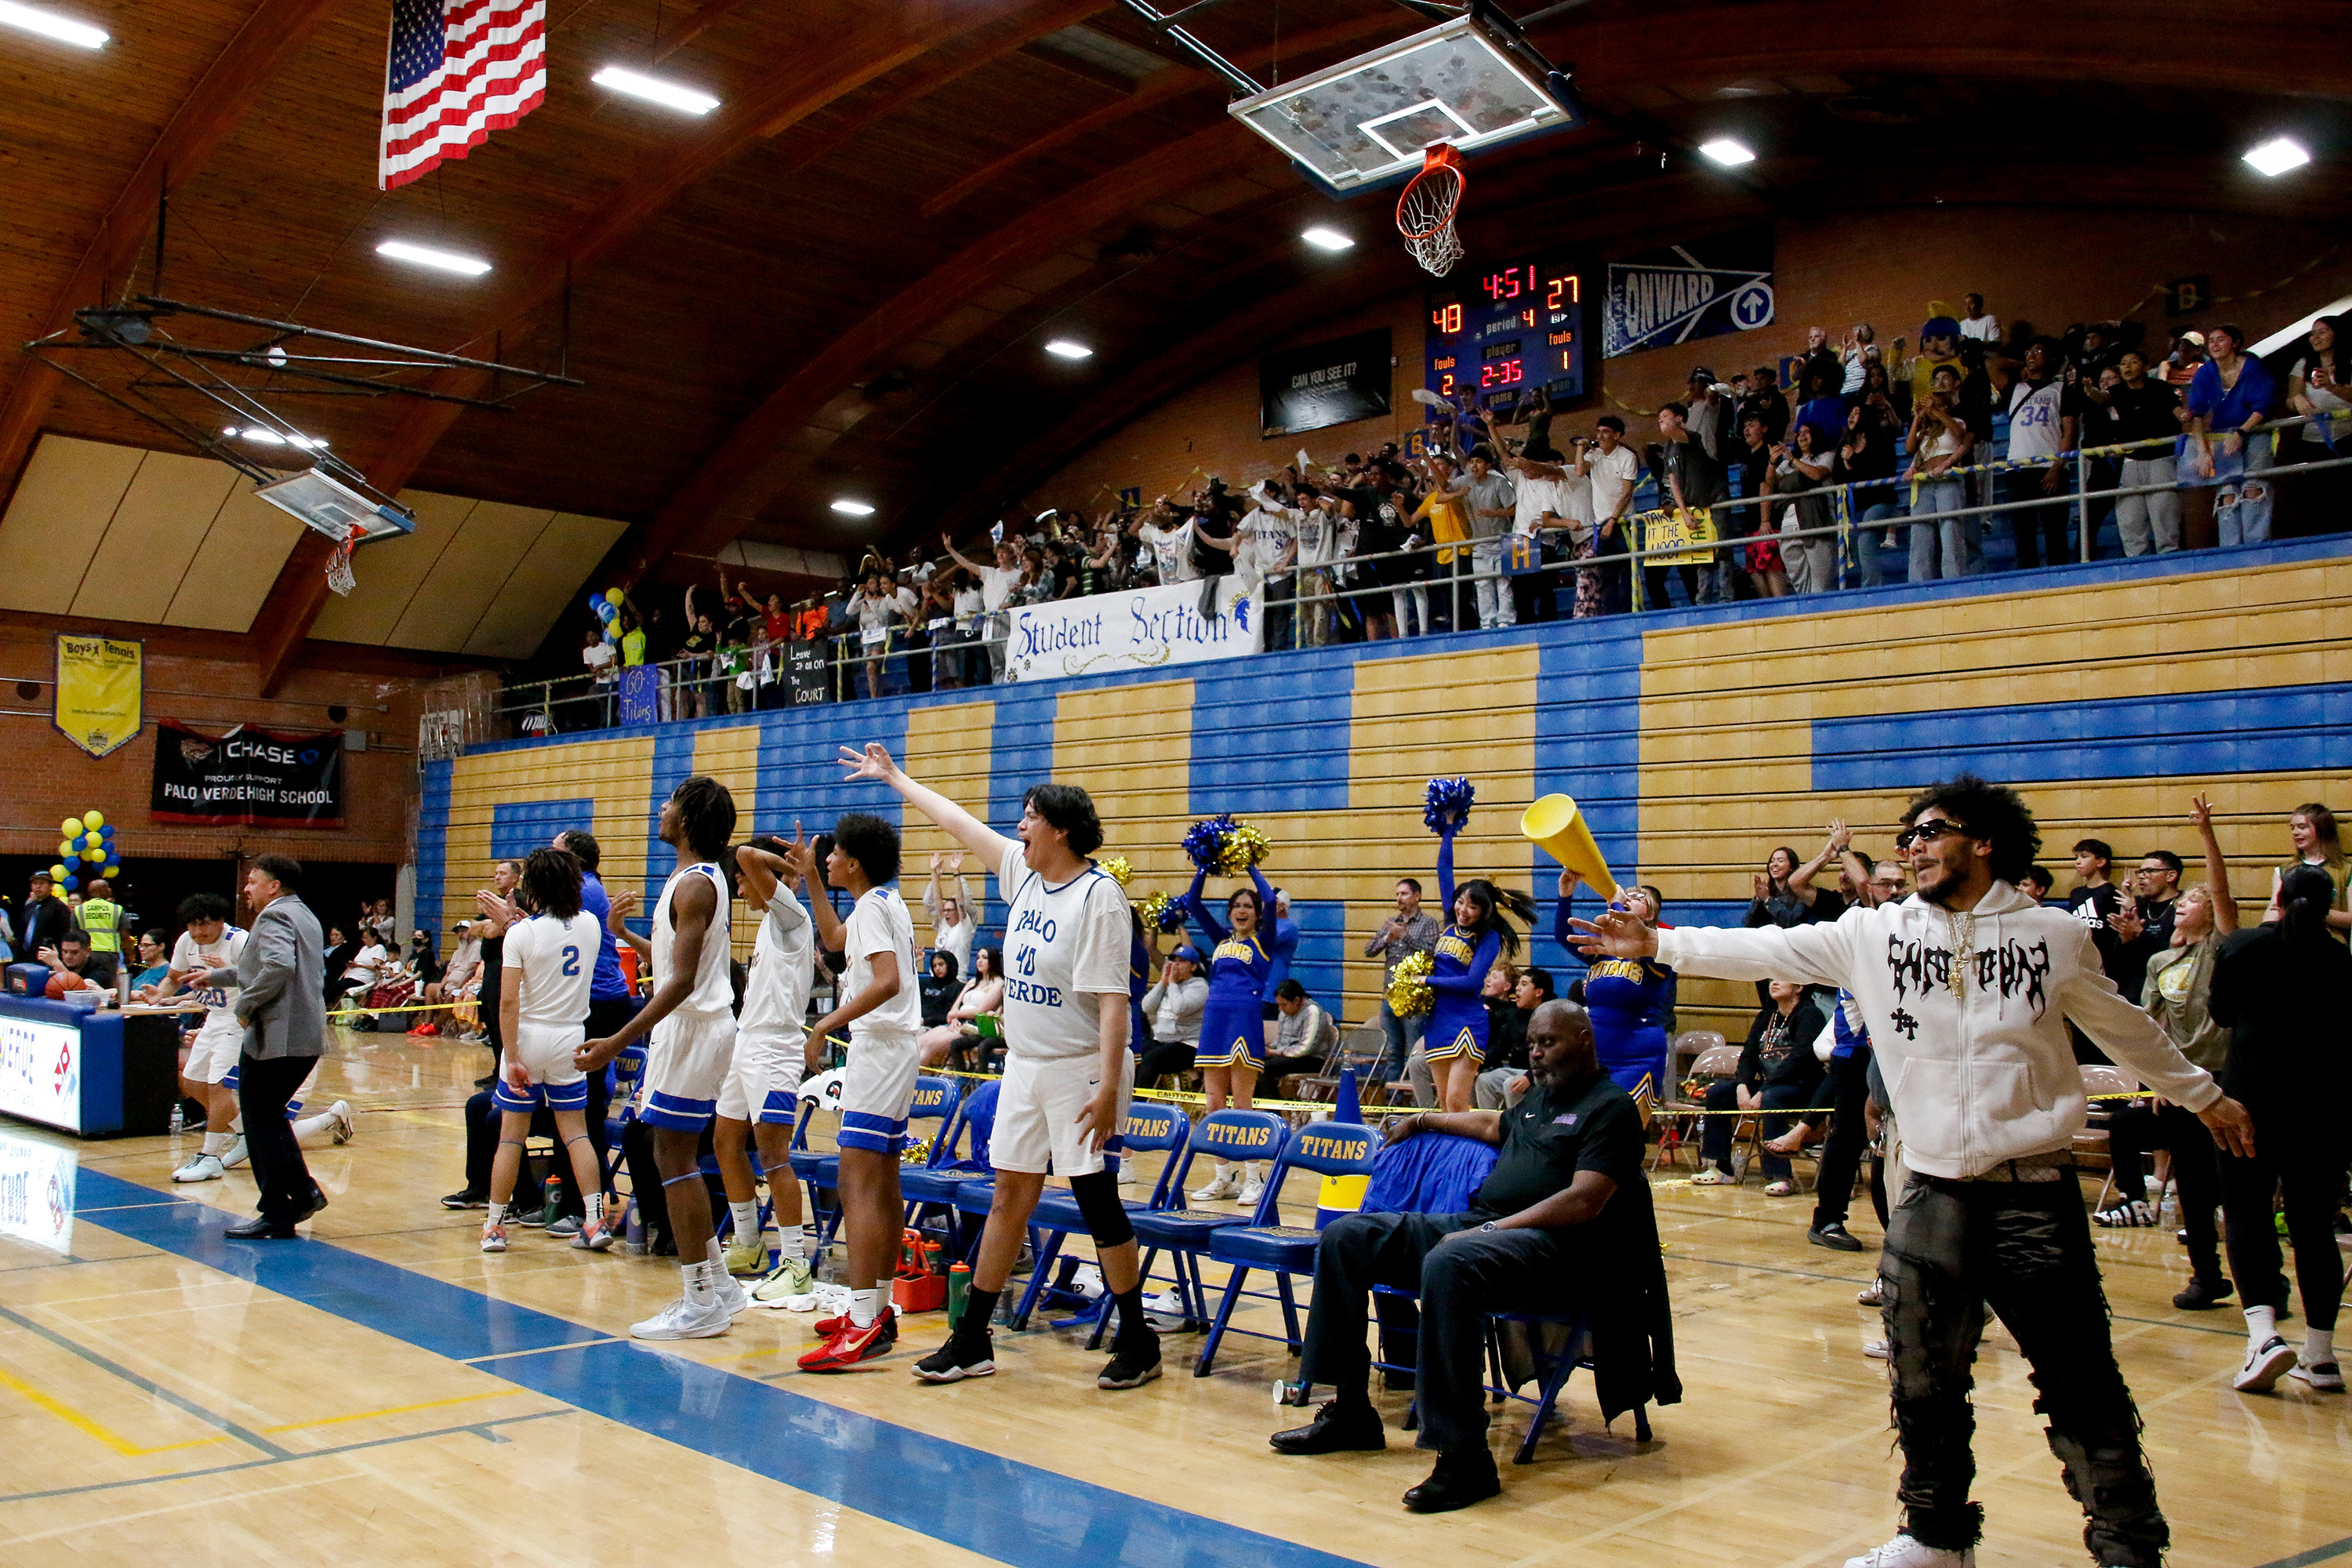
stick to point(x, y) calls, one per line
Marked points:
point(1063, 946)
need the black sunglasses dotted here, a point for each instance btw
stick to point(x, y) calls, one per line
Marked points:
point(1928, 832)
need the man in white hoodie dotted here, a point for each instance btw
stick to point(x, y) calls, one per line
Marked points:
point(1982, 1078)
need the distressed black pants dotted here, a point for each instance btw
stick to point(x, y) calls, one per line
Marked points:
point(2022, 1248)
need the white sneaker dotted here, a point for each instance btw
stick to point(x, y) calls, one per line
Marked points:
point(1905, 1552)
point(342, 1112)
point(1872, 1296)
point(2264, 1365)
point(203, 1168)
point(731, 1294)
point(683, 1319)
point(2322, 1376)
point(1221, 1186)
point(1874, 1350)
point(789, 1288)
point(1126, 1173)
point(233, 1155)
point(1253, 1190)
point(2126, 1215)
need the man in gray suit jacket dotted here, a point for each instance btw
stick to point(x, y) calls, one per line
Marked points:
point(281, 1000)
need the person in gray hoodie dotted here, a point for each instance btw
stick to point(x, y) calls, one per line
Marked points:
point(1967, 988)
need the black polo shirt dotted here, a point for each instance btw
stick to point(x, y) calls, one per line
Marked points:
point(1552, 1134)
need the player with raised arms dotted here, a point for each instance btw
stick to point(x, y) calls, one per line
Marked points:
point(551, 959)
point(761, 1096)
point(691, 1019)
point(1068, 1073)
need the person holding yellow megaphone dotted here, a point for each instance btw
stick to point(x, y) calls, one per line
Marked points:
point(1628, 999)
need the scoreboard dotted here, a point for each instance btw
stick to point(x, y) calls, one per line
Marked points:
point(1508, 332)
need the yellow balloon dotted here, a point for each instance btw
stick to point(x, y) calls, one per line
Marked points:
point(71, 827)
point(92, 840)
point(92, 820)
point(93, 853)
point(64, 848)
point(56, 873)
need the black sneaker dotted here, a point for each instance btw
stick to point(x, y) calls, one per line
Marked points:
point(468, 1199)
point(1833, 1235)
point(1131, 1365)
point(955, 1360)
point(2202, 1294)
point(1461, 1479)
point(1334, 1431)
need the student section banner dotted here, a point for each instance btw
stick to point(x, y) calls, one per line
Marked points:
point(1683, 292)
point(1324, 383)
point(99, 698)
point(249, 776)
point(1178, 623)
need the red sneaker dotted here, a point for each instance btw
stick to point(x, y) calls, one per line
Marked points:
point(849, 1345)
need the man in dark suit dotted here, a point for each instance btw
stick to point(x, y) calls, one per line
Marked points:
point(281, 1001)
point(44, 921)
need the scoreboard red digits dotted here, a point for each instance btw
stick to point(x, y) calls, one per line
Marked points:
point(1522, 325)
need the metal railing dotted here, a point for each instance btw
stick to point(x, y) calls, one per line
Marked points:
point(825, 669)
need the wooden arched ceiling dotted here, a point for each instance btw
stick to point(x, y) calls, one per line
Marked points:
point(910, 194)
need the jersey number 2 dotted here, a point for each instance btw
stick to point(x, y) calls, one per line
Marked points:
point(570, 961)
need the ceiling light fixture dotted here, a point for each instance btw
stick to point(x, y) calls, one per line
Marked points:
point(653, 90)
point(1328, 239)
point(1723, 149)
point(852, 508)
point(2277, 156)
point(262, 435)
point(426, 256)
point(51, 26)
point(1065, 349)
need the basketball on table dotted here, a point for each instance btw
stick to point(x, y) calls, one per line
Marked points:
point(62, 981)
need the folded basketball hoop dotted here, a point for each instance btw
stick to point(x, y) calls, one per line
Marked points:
point(1426, 210)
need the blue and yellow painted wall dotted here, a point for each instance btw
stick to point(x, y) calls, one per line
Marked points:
point(1696, 740)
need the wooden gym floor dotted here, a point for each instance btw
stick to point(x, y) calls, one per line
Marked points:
point(385, 1392)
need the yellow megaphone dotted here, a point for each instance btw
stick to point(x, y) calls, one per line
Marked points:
point(1554, 823)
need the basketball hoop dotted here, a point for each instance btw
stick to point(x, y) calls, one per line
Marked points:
point(1425, 209)
point(339, 564)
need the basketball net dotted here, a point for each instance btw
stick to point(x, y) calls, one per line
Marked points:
point(339, 564)
point(1426, 210)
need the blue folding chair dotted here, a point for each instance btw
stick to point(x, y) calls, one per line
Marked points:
point(1233, 1136)
point(1145, 1127)
point(934, 1183)
point(1553, 1365)
point(936, 1099)
point(1326, 1148)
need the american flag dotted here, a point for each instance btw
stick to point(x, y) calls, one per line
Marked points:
point(457, 70)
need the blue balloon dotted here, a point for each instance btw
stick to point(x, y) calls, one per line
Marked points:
point(72, 881)
point(106, 833)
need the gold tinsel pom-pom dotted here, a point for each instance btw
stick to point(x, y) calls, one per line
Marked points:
point(1154, 905)
point(1117, 870)
point(1410, 993)
point(1243, 848)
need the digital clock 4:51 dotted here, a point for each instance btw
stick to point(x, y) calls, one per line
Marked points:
point(1521, 328)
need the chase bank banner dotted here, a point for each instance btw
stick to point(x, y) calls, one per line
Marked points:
point(1178, 623)
point(1687, 291)
point(249, 776)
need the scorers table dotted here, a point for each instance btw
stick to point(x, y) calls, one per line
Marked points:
point(96, 1073)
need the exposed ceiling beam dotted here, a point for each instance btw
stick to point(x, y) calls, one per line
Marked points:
point(699, 510)
point(213, 109)
point(808, 79)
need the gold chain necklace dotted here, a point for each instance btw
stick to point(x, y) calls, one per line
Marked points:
point(1962, 933)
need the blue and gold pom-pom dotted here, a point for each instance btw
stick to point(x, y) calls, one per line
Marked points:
point(1117, 870)
point(1447, 805)
point(1153, 909)
point(1410, 993)
point(1204, 841)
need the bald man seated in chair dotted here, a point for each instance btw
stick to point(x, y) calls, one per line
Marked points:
point(1563, 1221)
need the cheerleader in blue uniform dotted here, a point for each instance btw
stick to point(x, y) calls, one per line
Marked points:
point(1244, 967)
point(1627, 1000)
point(1456, 1043)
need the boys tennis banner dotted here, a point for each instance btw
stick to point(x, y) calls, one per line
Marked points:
point(247, 777)
point(98, 702)
point(1176, 623)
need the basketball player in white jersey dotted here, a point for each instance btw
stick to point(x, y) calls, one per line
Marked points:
point(761, 1093)
point(691, 1019)
point(1068, 1073)
point(550, 960)
point(882, 1008)
point(209, 943)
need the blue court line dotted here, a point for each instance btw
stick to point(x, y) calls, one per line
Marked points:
point(998, 1508)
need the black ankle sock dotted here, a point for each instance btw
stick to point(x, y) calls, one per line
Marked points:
point(1131, 1326)
point(979, 1310)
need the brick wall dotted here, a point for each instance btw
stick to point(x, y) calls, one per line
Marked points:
point(1888, 267)
point(49, 777)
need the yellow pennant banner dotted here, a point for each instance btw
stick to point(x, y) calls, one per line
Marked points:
point(100, 696)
